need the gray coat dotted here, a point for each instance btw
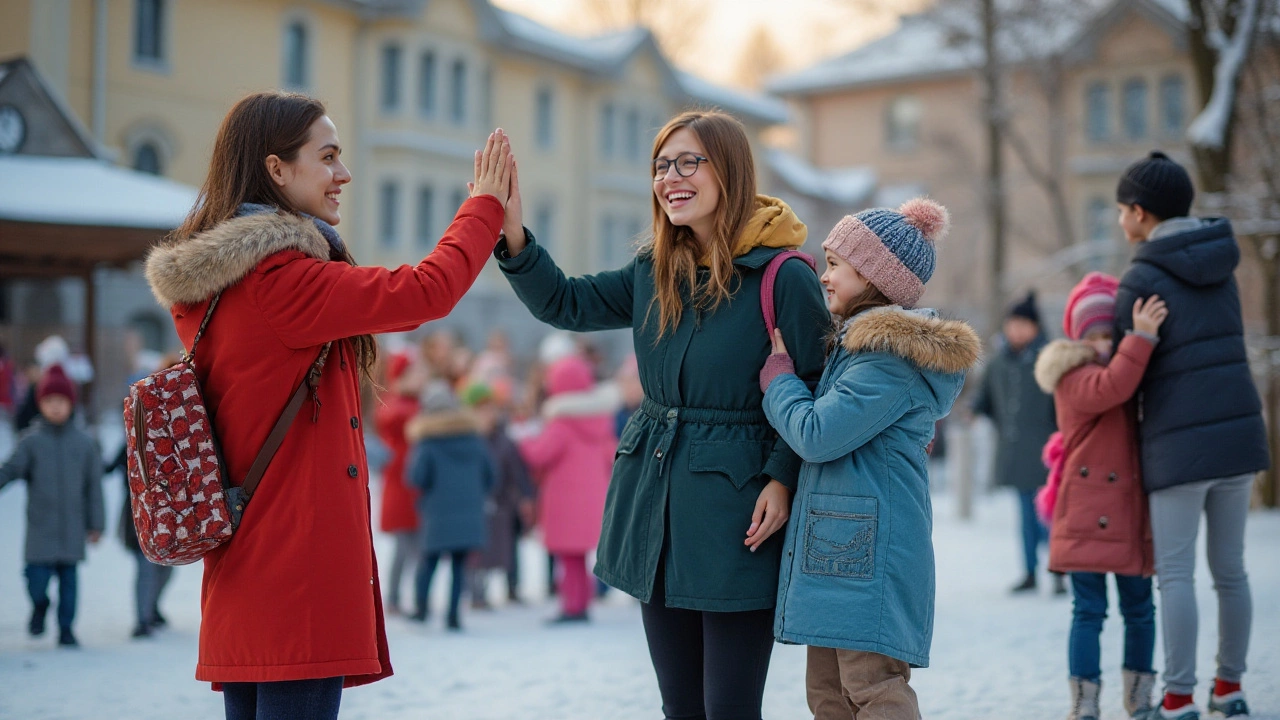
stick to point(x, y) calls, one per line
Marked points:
point(63, 470)
point(1022, 413)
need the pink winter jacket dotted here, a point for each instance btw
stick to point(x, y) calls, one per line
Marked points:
point(572, 460)
point(1100, 519)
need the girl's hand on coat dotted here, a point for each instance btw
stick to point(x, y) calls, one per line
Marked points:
point(779, 363)
point(779, 347)
point(493, 168)
point(1148, 317)
point(773, 509)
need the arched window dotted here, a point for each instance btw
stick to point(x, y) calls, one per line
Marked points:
point(902, 123)
point(146, 158)
point(296, 43)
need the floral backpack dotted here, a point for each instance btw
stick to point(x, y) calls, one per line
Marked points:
point(183, 503)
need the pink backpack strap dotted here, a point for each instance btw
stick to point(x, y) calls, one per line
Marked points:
point(770, 277)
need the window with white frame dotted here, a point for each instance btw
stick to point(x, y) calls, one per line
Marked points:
point(392, 59)
point(427, 83)
point(1173, 105)
point(1097, 101)
point(458, 91)
point(1135, 109)
point(296, 47)
point(426, 222)
point(608, 131)
point(902, 123)
point(633, 139)
point(544, 117)
point(389, 214)
point(149, 45)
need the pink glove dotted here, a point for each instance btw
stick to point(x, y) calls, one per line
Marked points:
point(777, 364)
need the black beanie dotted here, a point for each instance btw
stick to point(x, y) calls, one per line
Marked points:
point(1026, 308)
point(1161, 186)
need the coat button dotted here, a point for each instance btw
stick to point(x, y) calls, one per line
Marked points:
point(352, 471)
point(658, 454)
point(671, 414)
point(1084, 472)
point(355, 423)
point(1112, 477)
point(1102, 521)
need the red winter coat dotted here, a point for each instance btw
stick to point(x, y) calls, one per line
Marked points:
point(398, 499)
point(1100, 521)
point(294, 594)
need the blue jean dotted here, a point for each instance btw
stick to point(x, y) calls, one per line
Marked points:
point(285, 700)
point(427, 571)
point(38, 577)
point(1136, 607)
point(1034, 533)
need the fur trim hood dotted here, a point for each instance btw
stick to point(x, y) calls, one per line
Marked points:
point(919, 336)
point(1059, 358)
point(443, 424)
point(193, 270)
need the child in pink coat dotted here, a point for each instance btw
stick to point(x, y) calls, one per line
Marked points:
point(572, 459)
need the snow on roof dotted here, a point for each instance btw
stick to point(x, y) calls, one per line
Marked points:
point(85, 191)
point(946, 40)
point(609, 53)
point(847, 187)
point(762, 107)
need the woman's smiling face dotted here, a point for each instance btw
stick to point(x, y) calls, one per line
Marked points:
point(688, 201)
point(313, 180)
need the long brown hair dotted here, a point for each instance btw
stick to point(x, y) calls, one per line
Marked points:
point(675, 250)
point(262, 124)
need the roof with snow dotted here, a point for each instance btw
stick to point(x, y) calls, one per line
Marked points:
point(609, 54)
point(846, 187)
point(88, 191)
point(947, 41)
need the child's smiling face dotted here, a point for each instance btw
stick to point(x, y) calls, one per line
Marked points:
point(842, 282)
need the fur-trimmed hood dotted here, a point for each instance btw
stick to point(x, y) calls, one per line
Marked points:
point(193, 270)
point(1059, 358)
point(919, 336)
point(442, 424)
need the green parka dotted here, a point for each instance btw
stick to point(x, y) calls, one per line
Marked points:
point(693, 461)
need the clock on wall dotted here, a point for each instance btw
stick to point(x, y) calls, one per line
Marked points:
point(13, 130)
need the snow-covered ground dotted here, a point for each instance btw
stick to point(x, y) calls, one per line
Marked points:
point(994, 656)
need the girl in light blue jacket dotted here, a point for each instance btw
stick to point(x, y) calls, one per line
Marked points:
point(857, 582)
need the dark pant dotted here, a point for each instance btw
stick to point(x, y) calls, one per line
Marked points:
point(148, 586)
point(427, 570)
point(286, 700)
point(1137, 609)
point(1034, 533)
point(710, 665)
point(38, 577)
point(513, 571)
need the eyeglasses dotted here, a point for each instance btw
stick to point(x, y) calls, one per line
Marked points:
point(686, 164)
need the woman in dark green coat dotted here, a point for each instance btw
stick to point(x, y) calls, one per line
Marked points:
point(701, 482)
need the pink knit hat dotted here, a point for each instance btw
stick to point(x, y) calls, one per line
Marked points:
point(892, 249)
point(1091, 303)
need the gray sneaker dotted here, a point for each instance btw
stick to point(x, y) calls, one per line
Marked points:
point(1188, 712)
point(1229, 705)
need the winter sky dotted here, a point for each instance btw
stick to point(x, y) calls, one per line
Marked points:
point(809, 30)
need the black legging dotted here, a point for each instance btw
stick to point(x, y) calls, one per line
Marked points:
point(710, 665)
point(427, 570)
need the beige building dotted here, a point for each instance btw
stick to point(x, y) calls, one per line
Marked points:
point(414, 88)
point(1103, 83)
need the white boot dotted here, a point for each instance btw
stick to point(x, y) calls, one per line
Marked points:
point(1084, 699)
point(1137, 691)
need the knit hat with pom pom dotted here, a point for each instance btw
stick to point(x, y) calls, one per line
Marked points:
point(892, 249)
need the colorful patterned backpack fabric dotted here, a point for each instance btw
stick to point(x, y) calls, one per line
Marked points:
point(183, 503)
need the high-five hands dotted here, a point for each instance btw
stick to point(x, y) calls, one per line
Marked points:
point(494, 167)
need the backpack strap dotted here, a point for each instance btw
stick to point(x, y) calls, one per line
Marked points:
point(766, 287)
point(208, 315)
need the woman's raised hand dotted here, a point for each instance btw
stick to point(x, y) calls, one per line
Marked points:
point(493, 168)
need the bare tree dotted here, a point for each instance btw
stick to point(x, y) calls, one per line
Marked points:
point(760, 58)
point(1221, 33)
point(677, 25)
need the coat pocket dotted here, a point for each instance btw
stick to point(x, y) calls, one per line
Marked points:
point(840, 536)
point(741, 461)
point(632, 433)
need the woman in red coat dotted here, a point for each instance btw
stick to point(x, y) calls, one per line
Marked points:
point(397, 407)
point(291, 608)
point(1100, 522)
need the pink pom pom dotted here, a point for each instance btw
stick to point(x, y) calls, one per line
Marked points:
point(931, 218)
